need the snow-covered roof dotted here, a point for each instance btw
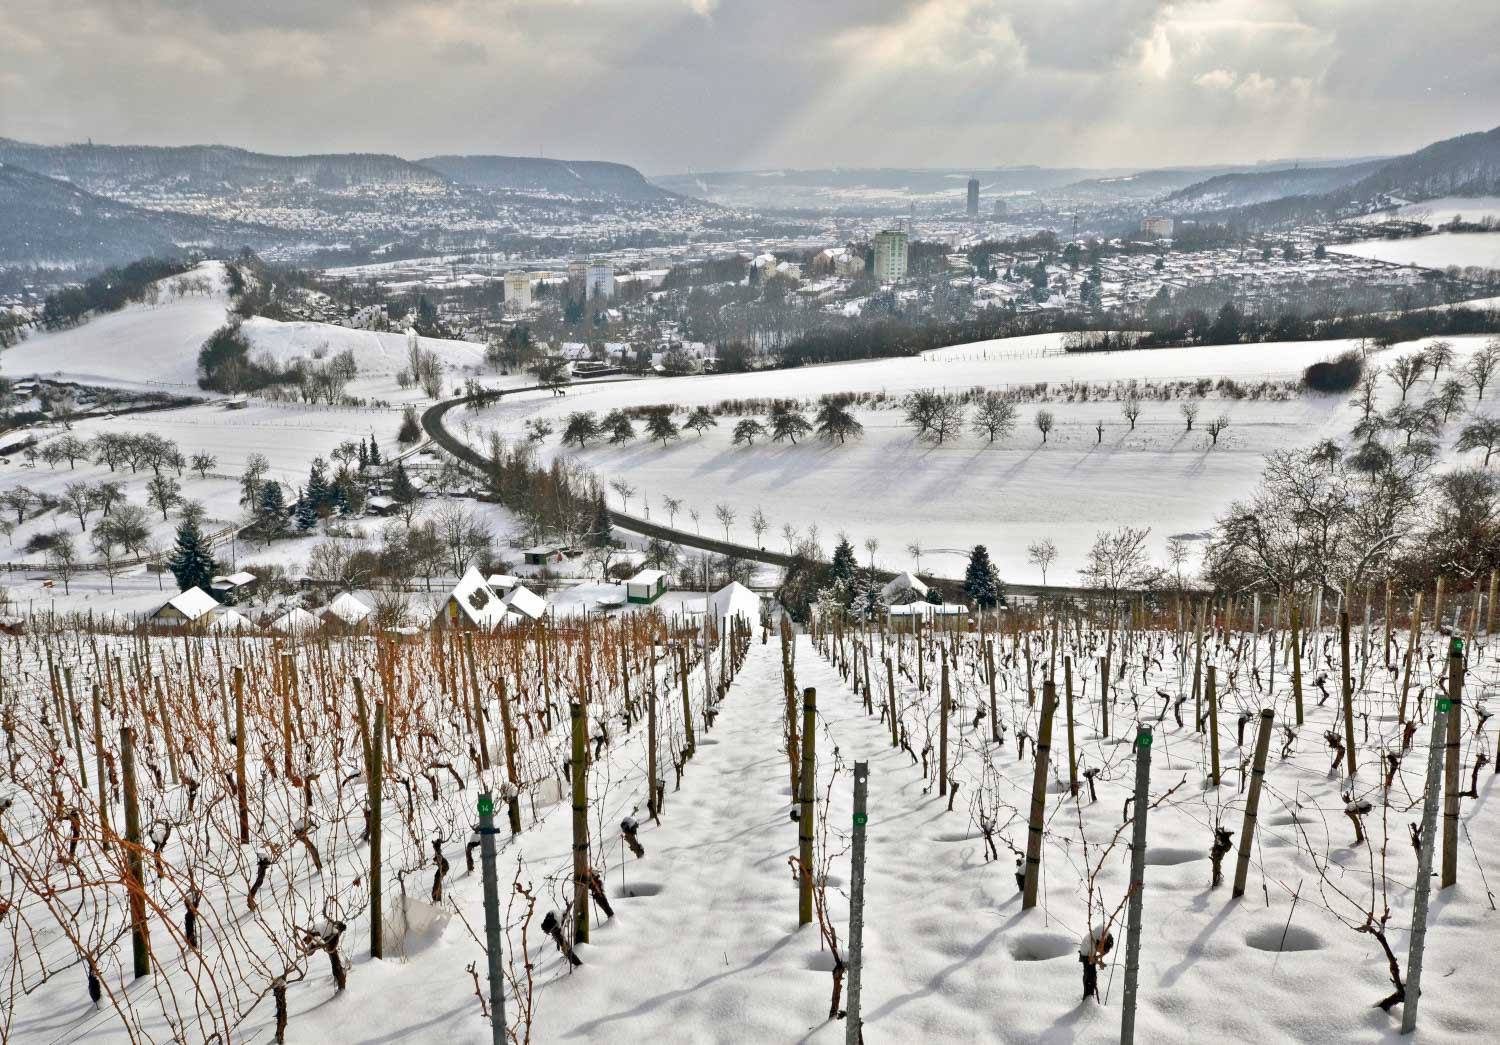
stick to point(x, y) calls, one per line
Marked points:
point(928, 609)
point(734, 600)
point(228, 620)
point(238, 579)
point(502, 582)
point(347, 609)
point(902, 583)
point(476, 600)
point(192, 604)
point(525, 602)
point(296, 621)
point(647, 577)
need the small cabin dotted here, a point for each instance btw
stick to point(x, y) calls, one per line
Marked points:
point(544, 555)
point(186, 608)
point(646, 587)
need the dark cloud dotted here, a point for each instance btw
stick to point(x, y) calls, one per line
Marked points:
point(674, 84)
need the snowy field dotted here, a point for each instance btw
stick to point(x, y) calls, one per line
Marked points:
point(892, 487)
point(1439, 211)
point(1434, 252)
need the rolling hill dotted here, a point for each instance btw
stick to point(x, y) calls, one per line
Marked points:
point(589, 179)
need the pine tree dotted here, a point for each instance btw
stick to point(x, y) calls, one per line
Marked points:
point(306, 512)
point(982, 580)
point(374, 452)
point(270, 511)
point(844, 563)
point(191, 562)
point(318, 493)
point(402, 489)
point(364, 455)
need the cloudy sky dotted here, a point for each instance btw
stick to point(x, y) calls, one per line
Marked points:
point(671, 85)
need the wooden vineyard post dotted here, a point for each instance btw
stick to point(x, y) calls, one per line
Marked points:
point(651, 741)
point(1104, 696)
point(484, 747)
point(377, 767)
point(99, 765)
point(140, 944)
point(989, 670)
point(1252, 801)
point(1198, 667)
point(805, 813)
point(1072, 749)
point(240, 790)
point(689, 745)
point(168, 736)
point(943, 732)
point(508, 742)
point(1139, 809)
point(1489, 607)
point(286, 715)
point(1411, 655)
point(1211, 694)
point(498, 1024)
point(1042, 750)
point(890, 682)
point(1427, 845)
point(1348, 680)
point(1454, 758)
point(1297, 659)
point(580, 824)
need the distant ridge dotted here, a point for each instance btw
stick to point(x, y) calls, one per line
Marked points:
point(587, 178)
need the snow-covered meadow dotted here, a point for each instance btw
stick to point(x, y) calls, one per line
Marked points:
point(893, 487)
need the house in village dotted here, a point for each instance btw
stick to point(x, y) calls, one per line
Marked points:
point(471, 604)
point(544, 554)
point(345, 611)
point(186, 609)
point(646, 587)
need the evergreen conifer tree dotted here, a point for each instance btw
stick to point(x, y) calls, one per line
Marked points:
point(191, 562)
point(402, 489)
point(982, 580)
point(318, 493)
point(374, 452)
point(270, 511)
point(844, 563)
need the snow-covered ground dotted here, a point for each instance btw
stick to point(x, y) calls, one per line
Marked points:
point(1439, 211)
point(892, 487)
point(1434, 252)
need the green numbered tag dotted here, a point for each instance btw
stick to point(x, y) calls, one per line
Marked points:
point(1144, 740)
point(486, 806)
point(861, 819)
point(1445, 705)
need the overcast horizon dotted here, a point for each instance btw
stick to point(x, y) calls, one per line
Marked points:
point(676, 85)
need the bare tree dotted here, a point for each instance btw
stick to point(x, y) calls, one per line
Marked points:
point(1131, 409)
point(204, 463)
point(1215, 428)
point(1118, 560)
point(996, 416)
point(1406, 370)
point(1438, 355)
point(162, 491)
point(725, 516)
point(1042, 554)
point(78, 499)
point(759, 524)
point(1482, 434)
point(1189, 409)
point(1044, 422)
point(673, 506)
point(914, 549)
point(1482, 364)
point(625, 491)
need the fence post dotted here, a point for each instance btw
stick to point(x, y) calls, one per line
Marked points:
point(1137, 881)
point(808, 784)
point(135, 877)
point(854, 1028)
point(1211, 693)
point(1413, 991)
point(1041, 749)
point(487, 834)
point(1297, 658)
point(1453, 760)
point(1252, 801)
point(1072, 749)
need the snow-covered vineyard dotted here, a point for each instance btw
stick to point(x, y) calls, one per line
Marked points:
point(217, 837)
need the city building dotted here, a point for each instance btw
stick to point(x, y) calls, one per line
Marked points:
point(518, 289)
point(578, 277)
point(999, 210)
point(973, 197)
point(601, 281)
point(1157, 228)
point(890, 255)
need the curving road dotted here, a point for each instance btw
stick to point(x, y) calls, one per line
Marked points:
point(432, 424)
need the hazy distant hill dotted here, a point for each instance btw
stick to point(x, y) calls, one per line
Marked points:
point(1468, 165)
point(103, 169)
point(1244, 188)
point(590, 179)
point(49, 222)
